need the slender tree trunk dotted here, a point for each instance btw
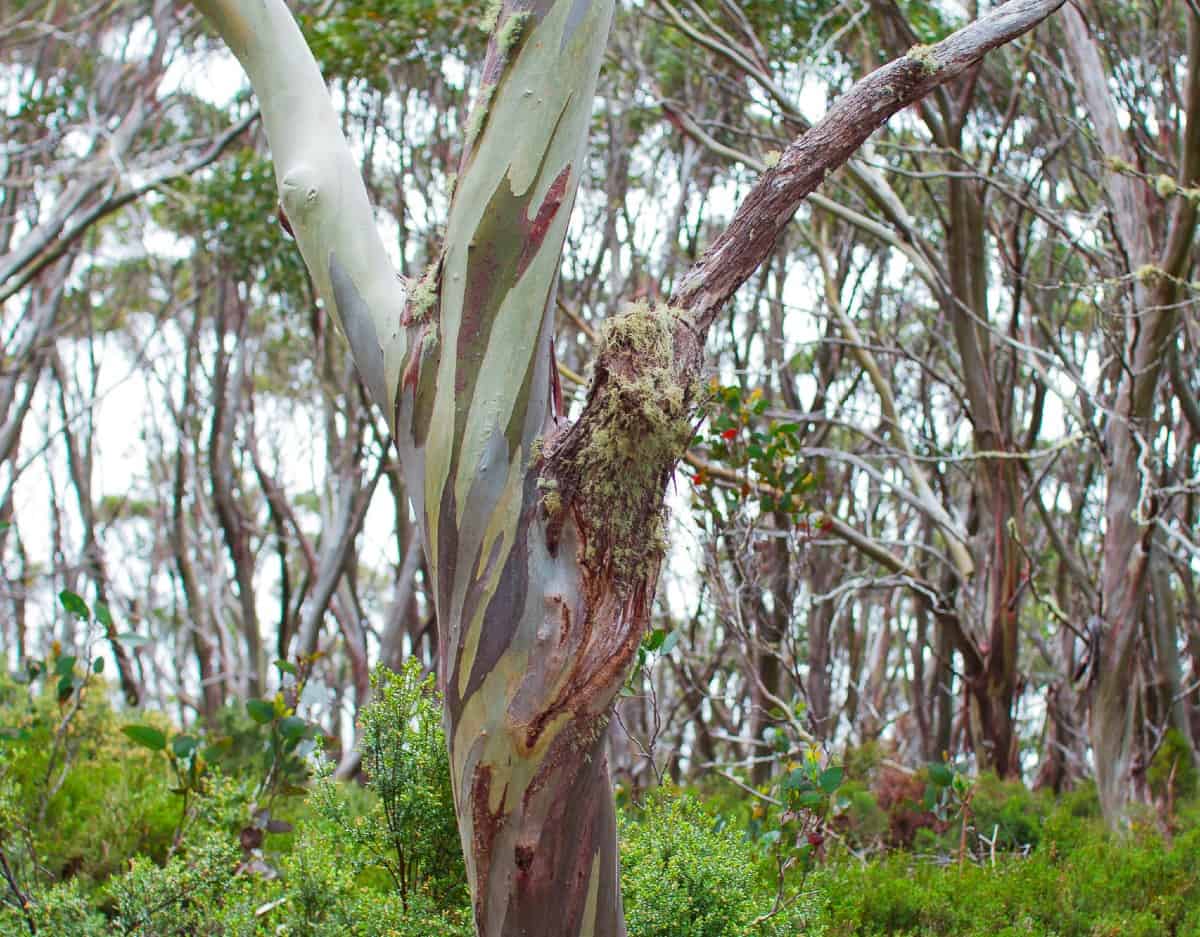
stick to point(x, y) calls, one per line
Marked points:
point(1156, 256)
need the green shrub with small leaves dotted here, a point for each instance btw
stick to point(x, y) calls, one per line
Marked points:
point(685, 874)
point(1085, 885)
point(410, 832)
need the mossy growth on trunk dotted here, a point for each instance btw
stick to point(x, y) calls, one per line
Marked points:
point(613, 465)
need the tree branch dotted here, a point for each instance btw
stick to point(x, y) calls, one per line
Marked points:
point(751, 235)
point(320, 187)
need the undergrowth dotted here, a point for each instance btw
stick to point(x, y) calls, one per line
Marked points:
point(157, 833)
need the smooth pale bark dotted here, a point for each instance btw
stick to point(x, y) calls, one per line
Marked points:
point(1157, 256)
point(321, 190)
point(543, 537)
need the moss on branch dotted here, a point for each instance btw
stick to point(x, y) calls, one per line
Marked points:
point(613, 465)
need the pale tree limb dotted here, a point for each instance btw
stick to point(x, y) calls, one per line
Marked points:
point(891, 415)
point(321, 189)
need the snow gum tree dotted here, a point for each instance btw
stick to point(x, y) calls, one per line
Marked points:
point(543, 536)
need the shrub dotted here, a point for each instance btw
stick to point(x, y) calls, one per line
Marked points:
point(410, 830)
point(682, 875)
point(102, 801)
point(1008, 811)
point(1099, 885)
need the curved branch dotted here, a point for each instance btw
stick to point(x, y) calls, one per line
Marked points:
point(320, 187)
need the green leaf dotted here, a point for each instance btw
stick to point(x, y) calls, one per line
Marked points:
point(98, 665)
point(103, 615)
point(293, 727)
point(66, 686)
point(146, 736)
point(74, 605)
point(811, 799)
point(129, 639)
point(65, 666)
point(654, 640)
point(941, 774)
point(184, 745)
point(931, 796)
point(669, 643)
point(830, 779)
point(286, 667)
point(260, 710)
point(795, 780)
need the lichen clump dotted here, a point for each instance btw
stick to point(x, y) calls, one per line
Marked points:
point(923, 55)
point(551, 499)
point(491, 15)
point(637, 424)
point(479, 113)
point(512, 31)
point(423, 294)
point(1165, 186)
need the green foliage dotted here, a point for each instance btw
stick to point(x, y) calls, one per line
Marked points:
point(1080, 884)
point(326, 894)
point(89, 801)
point(860, 818)
point(763, 454)
point(109, 855)
point(1009, 811)
point(1173, 768)
point(60, 910)
point(364, 41)
point(410, 831)
point(189, 895)
point(231, 211)
point(683, 875)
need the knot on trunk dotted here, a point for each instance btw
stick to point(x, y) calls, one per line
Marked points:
point(608, 471)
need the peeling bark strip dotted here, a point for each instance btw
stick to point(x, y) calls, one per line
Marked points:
point(544, 541)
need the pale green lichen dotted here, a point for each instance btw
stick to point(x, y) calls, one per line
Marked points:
point(1165, 186)
point(537, 448)
point(423, 294)
point(511, 32)
point(1148, 273)
point(771, 160)
point(551, 497)
point(1117, 164)
point(639, 421)
point(924, 56)
point(491, 15)
point(479, 113)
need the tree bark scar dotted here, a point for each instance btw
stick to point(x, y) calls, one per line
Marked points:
point(535, 230)
point(281, 215)
point(485, 825)
point(556, 394)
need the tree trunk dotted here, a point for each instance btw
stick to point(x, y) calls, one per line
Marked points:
point(1156, 256)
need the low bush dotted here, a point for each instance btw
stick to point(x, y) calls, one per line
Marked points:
point(108, 828)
